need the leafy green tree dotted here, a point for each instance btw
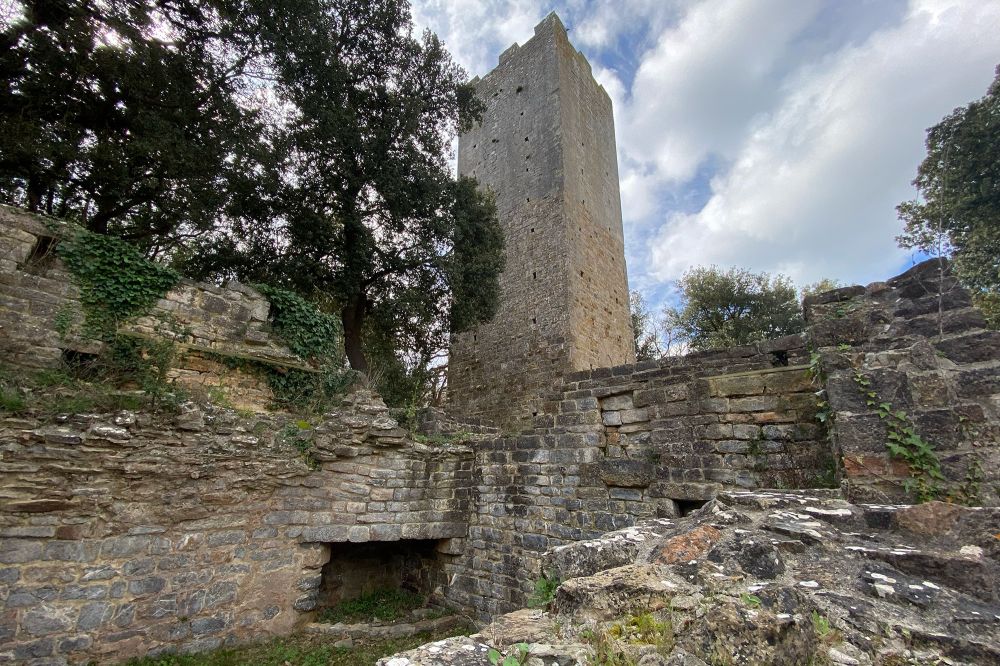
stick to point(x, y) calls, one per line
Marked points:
point(366, 216)
point(733, 307)
point(958, 208)
point(644, 335)
point(124, 115)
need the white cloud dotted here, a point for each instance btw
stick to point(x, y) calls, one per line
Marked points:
point(813, 184)
point(706, 78)
point(476, 31)
point(808, 116)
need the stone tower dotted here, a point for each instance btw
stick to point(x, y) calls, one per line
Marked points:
point(546, 147)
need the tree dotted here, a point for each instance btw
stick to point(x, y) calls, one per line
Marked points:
point(644, 334)
point(957, 211)
point(820, 286)
point(367, 216)
point(123, 115)
point(734, 307)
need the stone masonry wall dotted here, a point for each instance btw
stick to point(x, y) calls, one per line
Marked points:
point(546, 149)
point(924, 349)
point(129, 534)
point(36, 292)
point(617, 445)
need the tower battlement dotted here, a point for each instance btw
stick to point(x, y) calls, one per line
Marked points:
point(546, 148)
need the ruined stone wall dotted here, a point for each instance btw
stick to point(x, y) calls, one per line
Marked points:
point(126, 534)
point(922, 348)
point(545, 147)
point(41, 317)
point(616, 445)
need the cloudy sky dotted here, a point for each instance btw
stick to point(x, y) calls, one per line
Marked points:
point(777, 135)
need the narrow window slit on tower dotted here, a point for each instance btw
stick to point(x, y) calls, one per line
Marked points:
point(525, 138)
point(534, 275)
point(534, 321)
point(519, 89)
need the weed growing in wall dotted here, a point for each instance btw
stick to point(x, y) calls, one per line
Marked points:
point(116, 282)
point(516, 655)
point(296, 436)
point(545, 592)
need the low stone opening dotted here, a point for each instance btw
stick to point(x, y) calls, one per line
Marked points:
point(357, 569)
point(688, 506)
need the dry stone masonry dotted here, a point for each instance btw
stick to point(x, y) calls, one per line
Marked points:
point(129, 534)
point(40, 315)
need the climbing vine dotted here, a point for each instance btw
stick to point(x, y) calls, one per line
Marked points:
point(313, 336)
point(927, 481)
point(116, 282)
point(310, 334)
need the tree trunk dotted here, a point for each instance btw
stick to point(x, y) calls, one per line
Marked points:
point(353, 318)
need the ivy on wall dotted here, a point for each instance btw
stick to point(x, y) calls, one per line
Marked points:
point(311, 335)
point(116, 282)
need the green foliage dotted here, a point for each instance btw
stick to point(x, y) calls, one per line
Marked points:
point(123, 116)
point(644, 335)
point(312, 335)
point(824, 630)
point(300, 650)
point(734, 307)
point(517, 655)
point(644, 628)
point(545, 592)
point(130, 373)
point(116, 282)
point(926, 480)
point(386, 604)
point(12, 400)
point(440, 439)
point(365, 212)
point(958, 211)
point(821, 286)
point(751, 600)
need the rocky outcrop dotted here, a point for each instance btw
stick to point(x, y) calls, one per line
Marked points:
point(763, 577)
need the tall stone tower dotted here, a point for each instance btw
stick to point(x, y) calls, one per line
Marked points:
point(546, 147)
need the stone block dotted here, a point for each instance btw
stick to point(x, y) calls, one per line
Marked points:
point(48, 619)
point(151, 585)
point(617, 402)
point(208, 625)
point(716, 431)
point(736, 385)
point(17, 551)
point(760, 403)
point(611, 418)
point(792, 380)
point(634, 416)
point(626, 473)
